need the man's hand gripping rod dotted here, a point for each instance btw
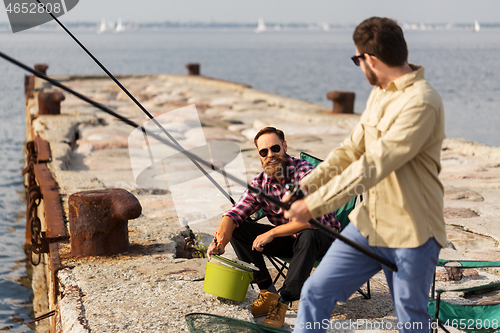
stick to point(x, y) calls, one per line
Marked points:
point(297, 194)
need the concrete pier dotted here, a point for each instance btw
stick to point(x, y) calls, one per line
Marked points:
point(147, 288)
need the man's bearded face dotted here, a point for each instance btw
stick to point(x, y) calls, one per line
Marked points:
point(275, 166)
point(274, 163)
point(369, 73)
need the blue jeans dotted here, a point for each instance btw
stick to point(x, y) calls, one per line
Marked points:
point(344, 269)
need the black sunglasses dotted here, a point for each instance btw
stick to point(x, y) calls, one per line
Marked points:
point(265, 151)
point(355, 59)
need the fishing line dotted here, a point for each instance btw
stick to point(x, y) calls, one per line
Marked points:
point(118, 83)
point(269, 198)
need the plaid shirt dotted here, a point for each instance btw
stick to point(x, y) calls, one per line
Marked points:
point(250, 203)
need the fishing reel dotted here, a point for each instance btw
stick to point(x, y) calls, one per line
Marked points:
point(295, 192)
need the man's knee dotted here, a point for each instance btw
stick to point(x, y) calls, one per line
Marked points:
point(310, 239)
point(245, 232)
point(307, 236)
point(238, 232)
point(313, 288)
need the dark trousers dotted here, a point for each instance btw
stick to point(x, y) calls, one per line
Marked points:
point(309, 245)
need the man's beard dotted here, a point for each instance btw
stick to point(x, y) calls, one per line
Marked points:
point(371, 77)
point(275, 171)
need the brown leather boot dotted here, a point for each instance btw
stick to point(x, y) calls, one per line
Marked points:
point(276, 315)
point(262, 302)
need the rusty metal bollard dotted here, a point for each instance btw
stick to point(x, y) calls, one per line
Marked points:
point(29, 85)
point(343, 101)
point(99, 221)
point(193, 68)
point(42, 68)
point(29, 80)
point(50, 102)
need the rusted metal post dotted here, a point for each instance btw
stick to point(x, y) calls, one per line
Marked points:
point(29, 85)
point(193, 68)
point(50, 102)
point(42, 68)
point(99, 221)
point(343, 101)
point(29, 80)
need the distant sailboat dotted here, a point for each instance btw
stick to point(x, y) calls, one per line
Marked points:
point(325, 27)
point(119, 26)
point(102, 28)
point(477, 27)
point(261, 26)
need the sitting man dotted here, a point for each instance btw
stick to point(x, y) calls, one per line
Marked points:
point(286, 239)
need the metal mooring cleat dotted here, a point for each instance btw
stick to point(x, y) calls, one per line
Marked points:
point(343, 101)
point(99, 221)
point(50, 102)
point(193, 68)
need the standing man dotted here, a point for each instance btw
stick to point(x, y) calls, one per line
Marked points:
point(393, 157)
point(286, 238)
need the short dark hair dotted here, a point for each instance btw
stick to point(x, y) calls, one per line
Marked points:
point(267, 130)
point(383, 38)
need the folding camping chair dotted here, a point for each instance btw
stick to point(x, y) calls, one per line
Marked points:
point(482, 317)
point(281, 264)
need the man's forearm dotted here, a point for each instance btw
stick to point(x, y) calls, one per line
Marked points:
point(279, 231)
point(223, 236)
point(288, 229)
point(225, 230)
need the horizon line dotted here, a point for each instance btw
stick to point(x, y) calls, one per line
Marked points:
point(254, 23)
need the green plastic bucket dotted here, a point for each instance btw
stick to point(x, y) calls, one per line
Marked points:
point(226, 282)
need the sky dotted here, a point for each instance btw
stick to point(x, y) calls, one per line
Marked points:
point(344, 12)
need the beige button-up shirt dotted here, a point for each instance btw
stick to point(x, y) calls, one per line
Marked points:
point(393, 157)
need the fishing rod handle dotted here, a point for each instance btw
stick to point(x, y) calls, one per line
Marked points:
point(295, 192)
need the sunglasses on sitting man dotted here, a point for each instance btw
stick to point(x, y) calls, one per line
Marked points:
point(265, 151)
point(355, 59)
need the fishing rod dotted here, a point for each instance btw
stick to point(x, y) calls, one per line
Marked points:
point(257, 191)
point(143, 109)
